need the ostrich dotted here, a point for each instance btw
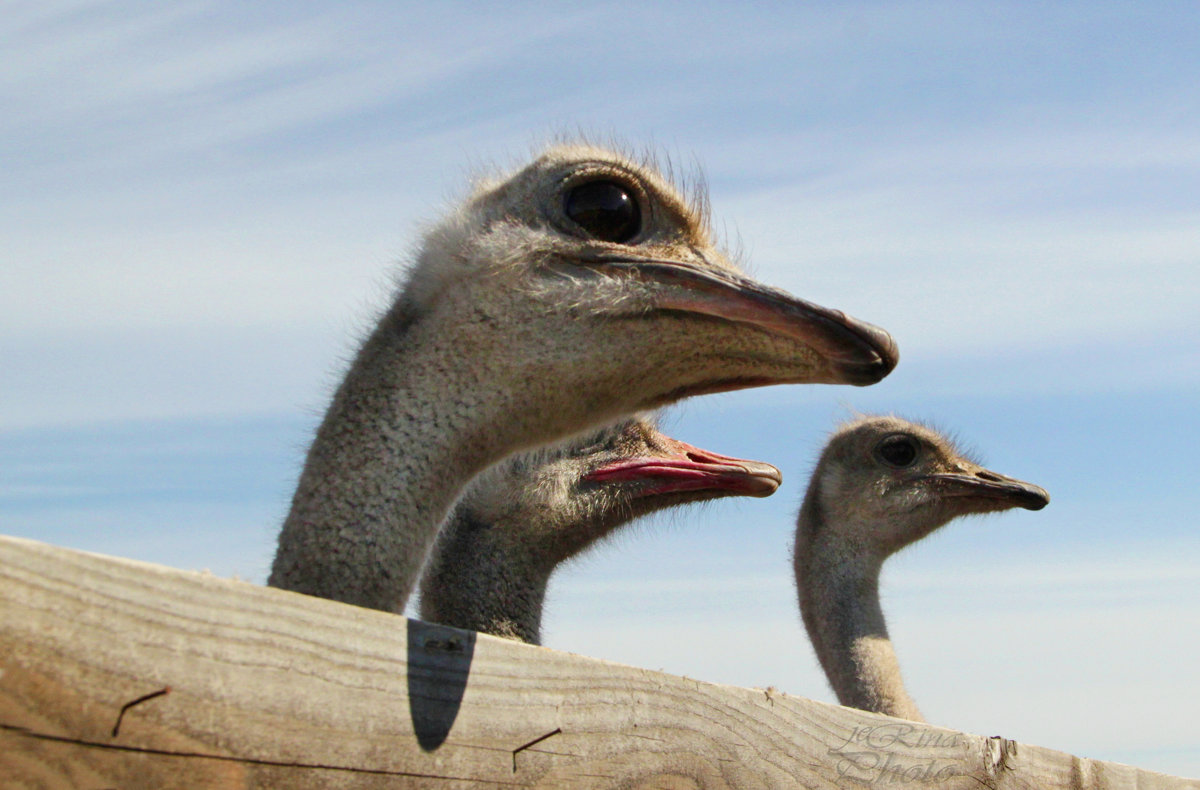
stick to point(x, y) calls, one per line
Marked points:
point(881, 483)
point(580, 289)
point(522, 518)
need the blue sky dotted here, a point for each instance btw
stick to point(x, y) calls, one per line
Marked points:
point(204, 205)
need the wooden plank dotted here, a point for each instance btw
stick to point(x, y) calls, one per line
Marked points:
point(229, 685)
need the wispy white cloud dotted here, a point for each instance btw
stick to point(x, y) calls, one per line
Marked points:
point(147, 123)
point(136, 85)
point(74, 378)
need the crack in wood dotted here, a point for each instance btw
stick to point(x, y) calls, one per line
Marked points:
point(534, 742)
point(43, 736)
point(145, 697)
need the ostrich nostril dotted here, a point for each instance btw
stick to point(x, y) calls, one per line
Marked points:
point(988, 476)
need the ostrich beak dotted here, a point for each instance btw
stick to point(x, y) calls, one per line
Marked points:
point(682, 467)
point(856, 352)
point(985, 484)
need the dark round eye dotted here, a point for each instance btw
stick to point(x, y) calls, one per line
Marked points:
point(605, 209)
point(898, 450)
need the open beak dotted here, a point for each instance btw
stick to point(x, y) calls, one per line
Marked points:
point(682, 467)
point(856, 352)
point(984, 484)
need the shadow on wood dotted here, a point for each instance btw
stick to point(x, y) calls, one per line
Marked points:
point(439, 663)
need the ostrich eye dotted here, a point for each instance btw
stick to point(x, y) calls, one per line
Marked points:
point(898, 450)
point(604, 209)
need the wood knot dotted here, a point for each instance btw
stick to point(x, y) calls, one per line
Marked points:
point(999, 752)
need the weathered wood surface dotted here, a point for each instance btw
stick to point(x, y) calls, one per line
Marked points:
point(274, 689)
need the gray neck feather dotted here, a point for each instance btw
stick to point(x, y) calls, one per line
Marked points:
point(395, 448)
point(493, 561)
point(481, 579)
point(838, 586)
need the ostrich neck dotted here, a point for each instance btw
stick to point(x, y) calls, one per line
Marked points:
point(403, 435)
point(483, 578)
point(838, 584)
point(490, 573)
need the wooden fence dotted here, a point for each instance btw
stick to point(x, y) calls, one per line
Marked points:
point(116, 674)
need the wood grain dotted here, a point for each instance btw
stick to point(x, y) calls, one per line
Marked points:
point(273, 689)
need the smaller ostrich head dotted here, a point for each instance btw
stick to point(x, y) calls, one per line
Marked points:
point(884, 482)
point(526, 515)
point(567, 496)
